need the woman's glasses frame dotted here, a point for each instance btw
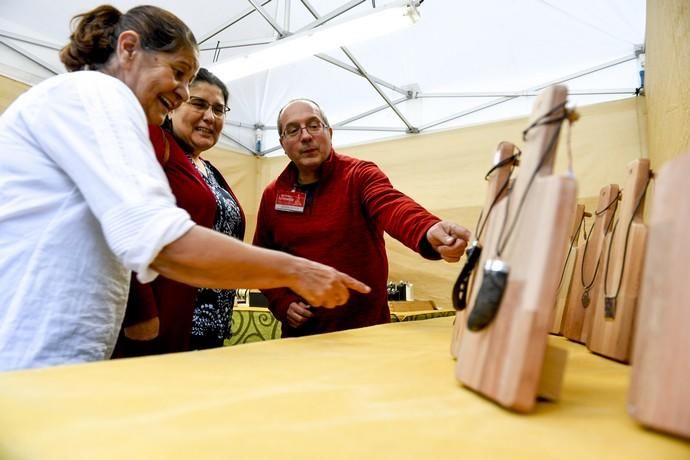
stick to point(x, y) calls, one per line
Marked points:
point(201, 105)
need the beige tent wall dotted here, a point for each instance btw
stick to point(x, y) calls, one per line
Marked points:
point(9, 91)
point(668, 79)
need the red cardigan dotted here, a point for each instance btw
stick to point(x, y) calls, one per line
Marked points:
point(171, 301)
point(342, 225)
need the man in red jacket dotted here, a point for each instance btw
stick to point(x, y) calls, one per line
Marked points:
point(333, 209)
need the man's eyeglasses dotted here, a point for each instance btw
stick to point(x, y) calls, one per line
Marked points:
point(313, 127)
point(202, 105)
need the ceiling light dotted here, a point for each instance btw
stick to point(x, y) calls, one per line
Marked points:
point(375, 23)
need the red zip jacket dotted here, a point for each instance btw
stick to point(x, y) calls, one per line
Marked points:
point(342, 225)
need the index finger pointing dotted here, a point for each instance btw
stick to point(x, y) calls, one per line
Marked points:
point(355, 285)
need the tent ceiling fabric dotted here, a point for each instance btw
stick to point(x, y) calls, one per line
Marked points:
point(462, 63)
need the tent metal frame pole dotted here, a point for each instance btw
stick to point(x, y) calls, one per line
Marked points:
point(358, 69)
point(284, 33)
point(320, 20)
point(362, 72)
point(231, 23)
point(267, 17)
point(238, 44)
point(342, 123)
point(354, 70)
point(337, 62)
point(239, 124)
point(582, 73)
point(272, 149)
point(410, 128)
point(31, 57)
point(30, 41)
point(249, 149)
point(583, 92)
point(371, 128)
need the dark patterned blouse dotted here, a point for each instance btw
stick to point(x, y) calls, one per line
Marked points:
point(213, 308)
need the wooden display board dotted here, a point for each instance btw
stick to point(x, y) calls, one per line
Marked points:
point(494, 193)
point(660, 386)
point(579, 307)
point(568, 269)
point(504, 361)
point(612, 326)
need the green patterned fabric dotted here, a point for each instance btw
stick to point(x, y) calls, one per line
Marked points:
point(254, 324)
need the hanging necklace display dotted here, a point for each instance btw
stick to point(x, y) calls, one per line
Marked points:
point(505, 356)
point(610, 300)
point(461, 286)
point(658, 396)
point(573, 240)
point(570, 268)
point(587, 286)
point(495, 270)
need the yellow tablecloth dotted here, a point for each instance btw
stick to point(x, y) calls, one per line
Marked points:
point(385, 392)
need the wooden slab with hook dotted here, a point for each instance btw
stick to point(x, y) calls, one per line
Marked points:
point(569, 269)
point(612, 326)
point(496, 181)
point(506, 361)
point(578, 313)
point(659, 396)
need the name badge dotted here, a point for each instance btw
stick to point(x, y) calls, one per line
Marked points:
point(292, 201)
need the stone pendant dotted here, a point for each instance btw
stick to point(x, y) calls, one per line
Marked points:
point(610, 307)
point(585, 298)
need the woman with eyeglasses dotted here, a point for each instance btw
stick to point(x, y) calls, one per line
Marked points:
point(84, 202)
point(166, 316)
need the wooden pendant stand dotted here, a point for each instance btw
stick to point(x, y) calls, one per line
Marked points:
point(496, 181)
point(568, 270)
point(612, 327)
point(506, 361)
point(660, 386)
point(577, 317)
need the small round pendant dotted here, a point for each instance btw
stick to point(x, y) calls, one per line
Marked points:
point(585, 299)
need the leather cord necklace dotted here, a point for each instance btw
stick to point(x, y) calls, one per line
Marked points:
point(610, 300)
point(570, 248)
point(495, 275)
point(586, 298)
point(503, 238)
point(460, 288)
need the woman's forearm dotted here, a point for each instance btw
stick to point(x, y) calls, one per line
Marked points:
point(204, 258)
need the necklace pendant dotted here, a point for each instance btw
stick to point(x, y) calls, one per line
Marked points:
point(585, 298)
point(489, 296)
point(610, 307)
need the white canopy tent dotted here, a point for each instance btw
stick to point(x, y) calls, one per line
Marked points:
point(462, 63)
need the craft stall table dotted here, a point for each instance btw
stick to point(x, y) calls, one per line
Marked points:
point(383, 392)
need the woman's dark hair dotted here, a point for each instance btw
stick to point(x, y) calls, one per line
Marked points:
point(206, 76)
point(95, 34)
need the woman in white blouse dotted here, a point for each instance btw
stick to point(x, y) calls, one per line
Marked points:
point(83, 200)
